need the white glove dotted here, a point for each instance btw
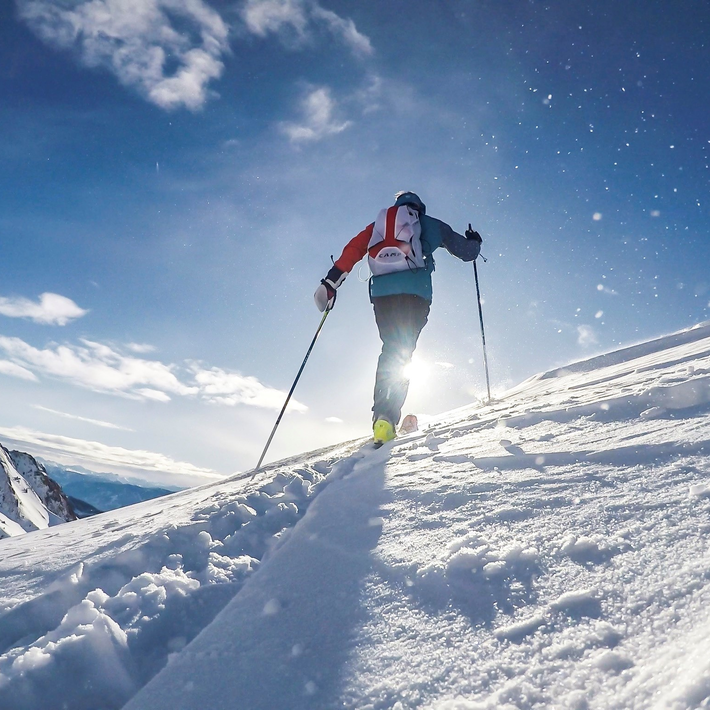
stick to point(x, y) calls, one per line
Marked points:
point(325, 293)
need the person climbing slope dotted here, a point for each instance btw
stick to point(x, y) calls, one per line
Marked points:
point(400, 244)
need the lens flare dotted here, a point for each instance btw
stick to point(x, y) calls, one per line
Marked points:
point(417, 370)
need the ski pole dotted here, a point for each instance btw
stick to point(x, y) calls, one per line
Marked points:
point(293, 387)
point(483, 332)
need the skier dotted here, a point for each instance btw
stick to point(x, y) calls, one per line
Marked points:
point(400, 245)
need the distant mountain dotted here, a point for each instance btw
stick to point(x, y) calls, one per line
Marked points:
point(102, 491)
point(106, 476)
point(38, 494)
point(29, 498)
point(82, 508)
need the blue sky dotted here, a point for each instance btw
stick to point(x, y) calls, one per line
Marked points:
point(176, 174)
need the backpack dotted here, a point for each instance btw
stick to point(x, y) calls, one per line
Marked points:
point(396, 244)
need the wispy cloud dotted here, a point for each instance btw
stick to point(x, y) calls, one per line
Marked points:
point(155, 395)
point(75, 417)
point(318, 109)
point(13, 370)
point(105, 368)
point(344, 28)
point(141, 348)
point(263, 17)
point(96, 366)
point(51, 309)
point(586, 337)
point(97, 455)
point(368, 98)
point(294, 21)
point(231, 388)
point(168, 50)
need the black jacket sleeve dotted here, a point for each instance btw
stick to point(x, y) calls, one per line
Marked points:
point(457, 245)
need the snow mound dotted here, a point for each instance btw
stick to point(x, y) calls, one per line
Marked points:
point(136, 585)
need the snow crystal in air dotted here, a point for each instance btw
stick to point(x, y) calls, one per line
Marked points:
point(273, 606)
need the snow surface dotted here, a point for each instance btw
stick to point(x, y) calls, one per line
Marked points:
point(548, 550)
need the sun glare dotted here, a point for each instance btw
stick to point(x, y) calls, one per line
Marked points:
point(417, 371)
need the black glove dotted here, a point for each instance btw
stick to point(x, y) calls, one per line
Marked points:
point(471, 233)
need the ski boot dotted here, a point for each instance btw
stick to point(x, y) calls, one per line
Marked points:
point(382, 431)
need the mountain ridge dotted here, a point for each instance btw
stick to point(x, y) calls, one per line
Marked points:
point(29, 499)
point(99, 491)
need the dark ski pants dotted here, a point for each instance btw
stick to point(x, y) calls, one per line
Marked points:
point(400, 319)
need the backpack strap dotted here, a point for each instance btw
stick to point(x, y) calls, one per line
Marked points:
point(379, 229)
point(395, 224)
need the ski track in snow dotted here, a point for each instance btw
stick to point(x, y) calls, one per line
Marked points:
point(548, 550)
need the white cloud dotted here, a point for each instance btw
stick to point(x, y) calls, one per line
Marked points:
point(292, 21)
point(265, 16)
point(168, 50)
point(104, 368)
point(345, 29)
point(141, 348)
point(97, 367)
point(155, 395)
point(586, 337)
point(51, 309)
point(230, 388)
point(75, 417)
point(334, 420)
point(13, 370)
point(95, 454)
point(318, 109)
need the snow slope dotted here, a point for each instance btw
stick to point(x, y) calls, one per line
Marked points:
point(548, 550)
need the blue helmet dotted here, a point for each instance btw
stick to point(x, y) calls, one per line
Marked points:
point(405, 197)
